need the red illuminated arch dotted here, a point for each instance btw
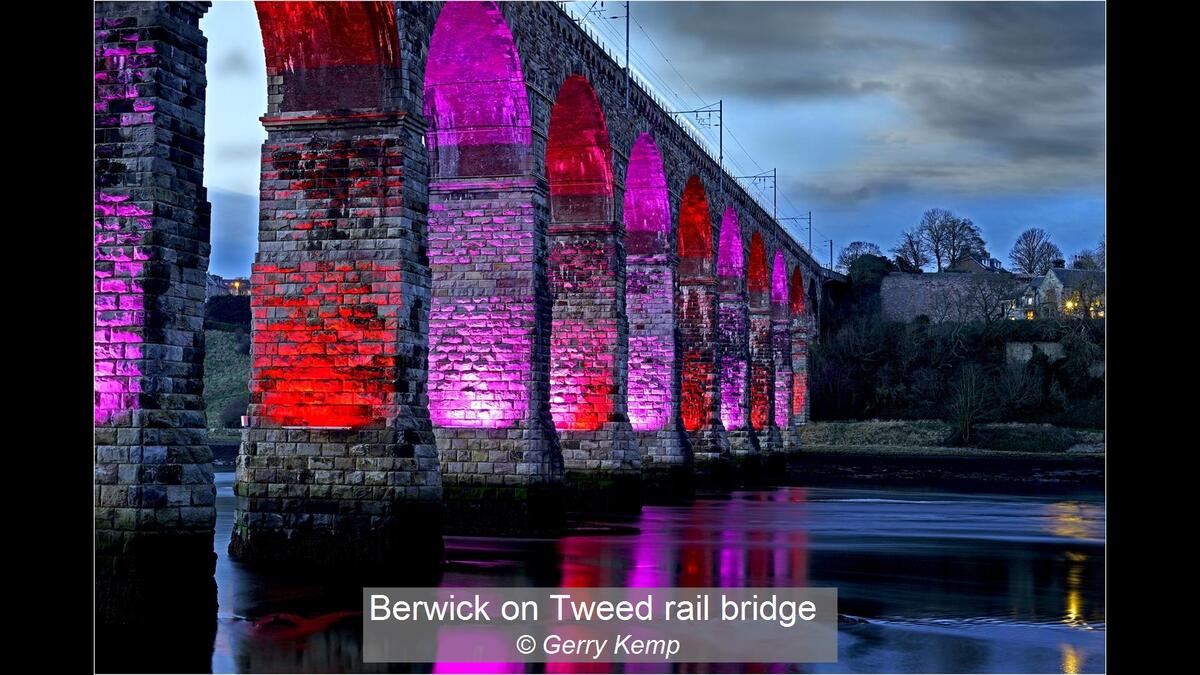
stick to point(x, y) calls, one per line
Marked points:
point(578, 156)
point(796, 293)
point(695, 223)
point(330, 55)
point(756, 273)
point(475, 100)
point(584, 346)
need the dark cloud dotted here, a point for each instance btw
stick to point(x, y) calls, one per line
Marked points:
point(993, 93)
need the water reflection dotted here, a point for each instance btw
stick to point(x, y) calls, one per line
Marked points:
point(949, 582)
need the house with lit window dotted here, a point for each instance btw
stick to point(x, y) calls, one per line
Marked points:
point(1061, 292)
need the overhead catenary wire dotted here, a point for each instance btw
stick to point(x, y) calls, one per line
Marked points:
point(650, 79)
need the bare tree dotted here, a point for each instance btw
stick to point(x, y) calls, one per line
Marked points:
point(852, 252)
point(933, 231)
point(968, 401)
point(963, 239)
point(1100, 251)
point(1033, 252)
point(911, 251)
point(1086, 259)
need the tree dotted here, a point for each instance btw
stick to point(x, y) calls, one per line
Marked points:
point(853, 250)
point(1086, 259)
point(933, 231)
point(963, 240)
point(950, 239)
point(912, 254)
point(968, 401)
point(1033, 252)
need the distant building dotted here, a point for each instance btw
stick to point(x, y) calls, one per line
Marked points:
point(1061, 292)
point(977, 263)
point(215, 285)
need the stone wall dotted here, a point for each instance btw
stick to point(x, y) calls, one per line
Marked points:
point(944, 296)
point(153, 489)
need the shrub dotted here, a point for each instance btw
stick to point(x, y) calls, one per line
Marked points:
point(968, 402)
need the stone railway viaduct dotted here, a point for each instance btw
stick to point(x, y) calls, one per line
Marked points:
point(489, 278)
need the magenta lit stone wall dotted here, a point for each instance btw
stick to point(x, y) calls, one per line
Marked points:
point(650, 282)
point(733, 325)
point(153, 493)
point(489, 319)
point(781, 342)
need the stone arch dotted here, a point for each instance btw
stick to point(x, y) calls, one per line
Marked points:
point(781, 341)
point(757, 279)
point(579, 156)
point(796, 292)
point(330, 55)
point(475, 101)
point(758, 286)
point(800, 328)
point(339, 297)
point(585, 347)
point(733, 323)
point(695, 271)
point(481, 331)
point(649, 288)
point(695, 228)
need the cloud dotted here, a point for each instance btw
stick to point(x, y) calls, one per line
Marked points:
point(980, 96)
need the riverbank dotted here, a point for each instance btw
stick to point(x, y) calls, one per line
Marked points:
point(920, 452)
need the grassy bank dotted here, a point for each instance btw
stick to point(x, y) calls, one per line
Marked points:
point(920, 452)
point(926, 436)
point(226, 377)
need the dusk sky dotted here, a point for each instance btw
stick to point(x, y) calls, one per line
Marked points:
point(872, 112)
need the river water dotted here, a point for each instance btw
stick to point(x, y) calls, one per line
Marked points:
point(946, 581)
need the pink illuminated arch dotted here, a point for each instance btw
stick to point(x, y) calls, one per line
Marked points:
point(730, 261)
point(330, 54)
point(475, 99)
point(480, 335)
point(731, 268)
point(647, 208)
point(781, 340)
point(649, 284)
point(779, 280)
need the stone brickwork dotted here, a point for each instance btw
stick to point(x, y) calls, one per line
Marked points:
point(338, 465)
point(153, 488)
point(489, 331)
point(339, 447)
point(781, 350)
point(942, 296)
point(733, 337)
point(445, 272)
